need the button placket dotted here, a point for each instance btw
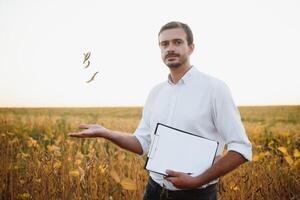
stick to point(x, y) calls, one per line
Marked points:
point(172, 105)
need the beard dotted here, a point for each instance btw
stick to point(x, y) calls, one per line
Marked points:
point(174, 65)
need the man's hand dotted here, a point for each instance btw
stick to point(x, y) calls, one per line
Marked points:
point(90, 130)
point(124, 140)
point(181, 180)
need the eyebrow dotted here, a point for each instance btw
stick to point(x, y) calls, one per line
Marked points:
point(176, 39)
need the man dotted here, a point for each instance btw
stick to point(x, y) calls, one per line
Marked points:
point(192, 101)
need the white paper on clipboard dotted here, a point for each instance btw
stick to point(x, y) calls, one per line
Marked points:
point(180, 151)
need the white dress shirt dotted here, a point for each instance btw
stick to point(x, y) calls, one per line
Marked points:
point(199, 104)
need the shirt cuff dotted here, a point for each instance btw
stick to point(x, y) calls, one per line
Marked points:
point(244, 149)
point(143, 144)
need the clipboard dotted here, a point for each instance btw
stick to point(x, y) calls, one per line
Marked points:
point(180, 151)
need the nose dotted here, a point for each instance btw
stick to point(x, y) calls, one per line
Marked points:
point(170, 48)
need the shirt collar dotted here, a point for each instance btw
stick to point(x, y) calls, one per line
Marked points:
point(186, 77)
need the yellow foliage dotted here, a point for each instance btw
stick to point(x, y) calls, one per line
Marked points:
point(285, 134)
point(31, 142)
point(255, 158)
point(102, 168)
point(79, 155)
point(263, 154)
point(297, 163)
point(283, 150)
point(31, 168)
point(53, 148)
point(38, 180)
point(38, 164)
point(267, 153)
point(260, 155)
point(11, 134)
point(289, 160)
point(23, 196)
point(57, 165)
point(128, 184)
point(296, 153)
point(121, 156)
point(115, 176)
point(74, 173)
point(271, 143)
point(24, 155)
point(45, 137)
point(77, 162)
point(70, 142)
point(15, 140)
point(81, 171)
point(235, 188)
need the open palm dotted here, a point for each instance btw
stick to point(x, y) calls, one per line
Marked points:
point(90, 130)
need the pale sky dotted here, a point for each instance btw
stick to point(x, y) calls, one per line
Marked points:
point(253, 46)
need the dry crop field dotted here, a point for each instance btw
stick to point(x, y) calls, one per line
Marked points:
point(39, 161)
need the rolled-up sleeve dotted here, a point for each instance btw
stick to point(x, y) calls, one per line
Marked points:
point(142, 133)
point(228, 122)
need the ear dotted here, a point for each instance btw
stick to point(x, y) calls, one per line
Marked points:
point(191, 48)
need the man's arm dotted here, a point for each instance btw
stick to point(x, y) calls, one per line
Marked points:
point(224, 165)
point(123, 140)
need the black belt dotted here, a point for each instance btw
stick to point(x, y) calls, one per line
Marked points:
point(176, 193)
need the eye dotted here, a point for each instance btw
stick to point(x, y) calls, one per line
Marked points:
point(178, 42)
point(164, 44)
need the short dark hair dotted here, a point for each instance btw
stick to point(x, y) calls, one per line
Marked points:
point(185, 27)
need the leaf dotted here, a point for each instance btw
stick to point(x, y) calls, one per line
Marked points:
point(297, 163)
point(121, 157)
point(255, 158)
point(81, 171)
point(102, 168)
point(115, 176)
point(53, 148)
point(74, 173)
point(289, 160)
point(24, 196)
point(57, 165)
point(31, 142)
point(79, 155)
point(283, 150)
point(296, 153)
point(77, 162)
point(128, 184)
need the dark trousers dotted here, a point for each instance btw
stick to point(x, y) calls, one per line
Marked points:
point(155, 192)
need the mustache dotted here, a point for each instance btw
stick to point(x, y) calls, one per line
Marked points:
point(172, 55)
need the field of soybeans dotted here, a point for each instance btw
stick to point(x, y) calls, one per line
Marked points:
point(39, 161)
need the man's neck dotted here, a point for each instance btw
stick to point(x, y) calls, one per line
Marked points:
point(178, 73)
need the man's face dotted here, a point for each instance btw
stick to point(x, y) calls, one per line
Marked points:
point(175, 50)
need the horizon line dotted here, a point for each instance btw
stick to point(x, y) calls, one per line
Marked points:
point(139, 106)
